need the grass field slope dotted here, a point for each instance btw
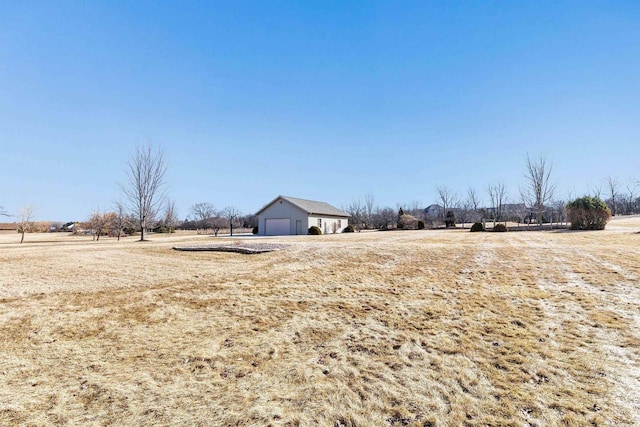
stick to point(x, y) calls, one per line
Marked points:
point(403, 328)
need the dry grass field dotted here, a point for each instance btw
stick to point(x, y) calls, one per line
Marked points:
point(417, 328)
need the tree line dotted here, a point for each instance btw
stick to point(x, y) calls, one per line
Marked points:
point(537, 203)
point(145, 205)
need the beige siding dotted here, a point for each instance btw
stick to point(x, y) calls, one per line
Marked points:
point(282, 210)
point(329, 224)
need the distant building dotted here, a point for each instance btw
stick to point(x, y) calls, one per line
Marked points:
point(289, 215)
point(436, 211)
point(516, 212)
point(433, 211)
point(69, 226)
point(8, 226)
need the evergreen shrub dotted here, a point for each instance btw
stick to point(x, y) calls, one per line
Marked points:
point(500, 228)
point(588, 213)
point(477, 226)
point(315, 231)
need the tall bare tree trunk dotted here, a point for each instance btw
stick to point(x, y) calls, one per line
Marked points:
point(612, 185)
point(25, 223)
point(146, 187)
point(539, 190)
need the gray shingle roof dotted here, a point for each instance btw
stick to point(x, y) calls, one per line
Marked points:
point(309, 206)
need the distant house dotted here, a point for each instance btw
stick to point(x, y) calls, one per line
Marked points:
point(434, 211)
point(69, 226)
point(515, 212)
point(8, 226)
point(289, 215)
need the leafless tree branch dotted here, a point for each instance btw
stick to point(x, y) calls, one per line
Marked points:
point(612, 187)
point(204, 213)
point(25, 223)
point(498, 196)
point(170, 215)
point(146, 189)
point(539, 190)
point(448, 199)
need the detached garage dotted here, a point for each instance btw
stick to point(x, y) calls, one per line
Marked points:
point(289, 215)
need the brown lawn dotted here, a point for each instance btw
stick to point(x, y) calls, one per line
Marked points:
point(444, 328)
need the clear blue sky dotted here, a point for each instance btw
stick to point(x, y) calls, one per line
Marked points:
point(313, 99)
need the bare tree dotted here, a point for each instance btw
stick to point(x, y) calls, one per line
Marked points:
point(465, 212)
point(248, 221)
point(121, 219)
point(25, 223)
point(384, 218)
point(98, 222)
point(498, 196)
point(612, 187)
point(354, 209)
point(472, 203)
point(231, 214)
point(369, 206)
point(146, 189)
point(217, 222)
point(170, 216)
point(521, 213)
point(414, 208)
point(473, 199)
point(3, 212)
point(558, 211)
point(203, 213)
point(447, 197)
point(596, 191)
point(631, 199)
point(539, 189)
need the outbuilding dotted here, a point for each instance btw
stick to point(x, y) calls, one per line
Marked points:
point(290, 215)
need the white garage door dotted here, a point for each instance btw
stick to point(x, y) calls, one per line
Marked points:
point(277, 227)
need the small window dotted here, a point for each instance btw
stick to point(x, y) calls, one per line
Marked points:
point(339, 223)
point(320, 222)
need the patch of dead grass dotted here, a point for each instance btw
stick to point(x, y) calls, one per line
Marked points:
point(397, 328)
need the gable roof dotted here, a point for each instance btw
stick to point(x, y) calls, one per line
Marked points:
point(311, 207)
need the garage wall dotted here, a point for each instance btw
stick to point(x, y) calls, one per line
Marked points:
point(283, 209)
point(328, 223)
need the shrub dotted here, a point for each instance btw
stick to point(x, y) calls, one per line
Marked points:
point(254, 230)
point(408, 222)
point(315, 231)
point(477, 226)
point(349, 229)
point(420, 225)
point(500, 228)
point(450, 219)
point(588, 213)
